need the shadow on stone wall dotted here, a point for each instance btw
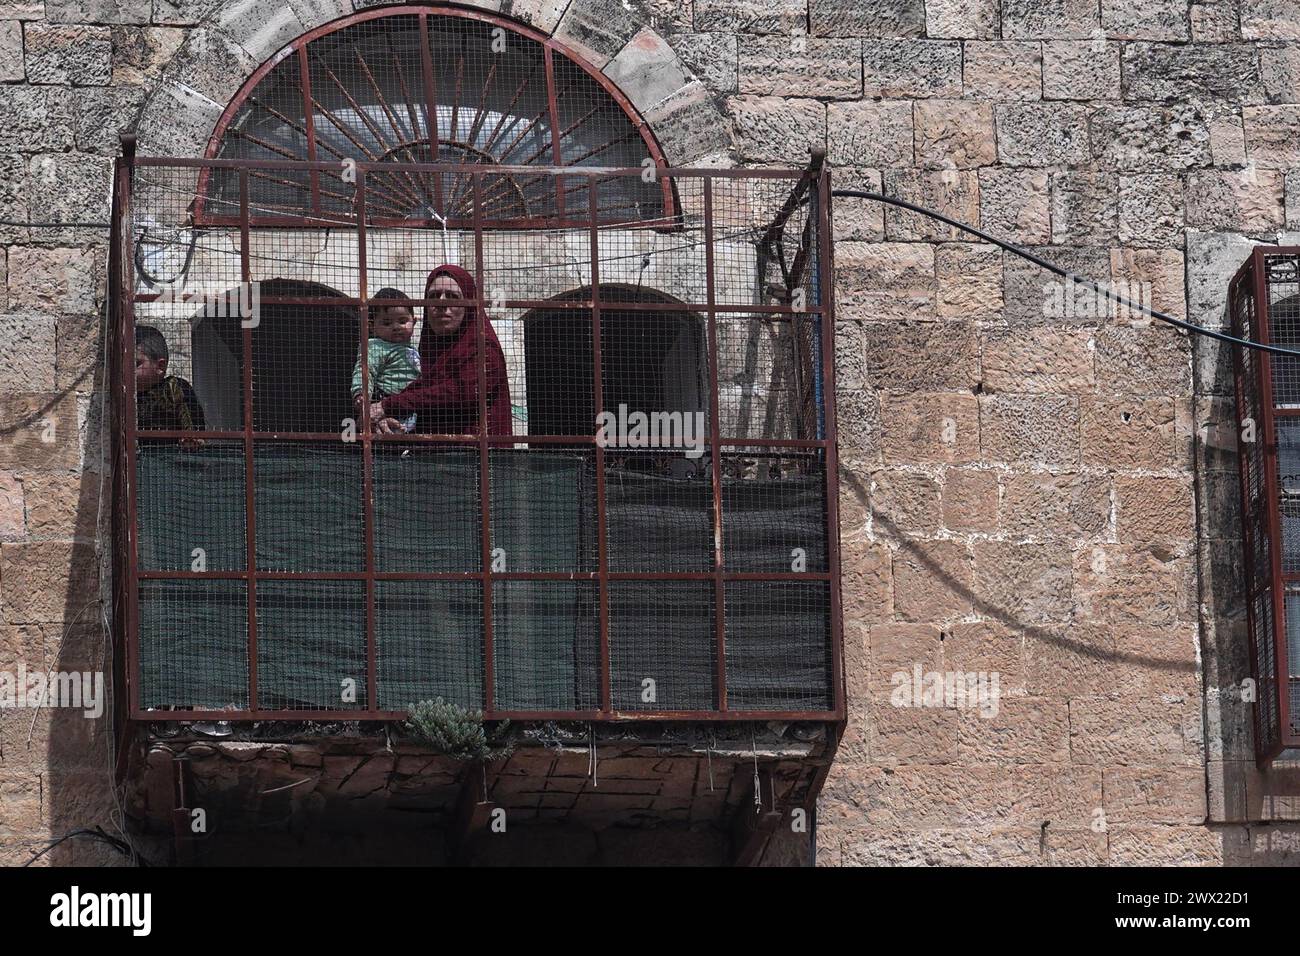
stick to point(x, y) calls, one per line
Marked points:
point(77, 785)
point(1268, 801)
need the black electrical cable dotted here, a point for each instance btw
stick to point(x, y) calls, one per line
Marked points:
point(96, 834)
point(1052, 267)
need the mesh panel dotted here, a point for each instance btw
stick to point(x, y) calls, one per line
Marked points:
point(311, 645)
point(308, 502)
point(193, 644)
point(661, 519)
point(1288, 468)
point(1266, 691)
point(543, 510)
point(778, 645)
point(429, 642)
point(1284, 327)
point(427, 509)
point(190, 507)
point(756, 486)
point(662, 631)
point(546, 636)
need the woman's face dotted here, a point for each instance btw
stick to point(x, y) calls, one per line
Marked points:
point(440, 316)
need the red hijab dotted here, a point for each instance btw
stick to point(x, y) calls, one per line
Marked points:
point(445, 395)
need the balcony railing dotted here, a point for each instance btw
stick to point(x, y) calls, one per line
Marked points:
point(675, 559)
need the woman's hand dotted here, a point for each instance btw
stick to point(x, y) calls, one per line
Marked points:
point(389, 426)
point(377, 412)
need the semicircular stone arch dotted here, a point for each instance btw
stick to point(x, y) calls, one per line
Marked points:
point(235, 40)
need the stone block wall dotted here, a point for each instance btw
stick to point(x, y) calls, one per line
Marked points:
point(1031, 486)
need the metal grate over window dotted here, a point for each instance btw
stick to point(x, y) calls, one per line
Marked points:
point(431, 85)
point(1264, 303)
point(611, 495)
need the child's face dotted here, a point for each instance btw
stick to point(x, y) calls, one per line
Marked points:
point(148, 371)
point(395, 324)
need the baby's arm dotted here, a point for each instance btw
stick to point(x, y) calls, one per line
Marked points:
point(374, 362)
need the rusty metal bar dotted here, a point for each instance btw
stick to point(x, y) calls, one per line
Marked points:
point(477, 575)
point(793, 444)
point(304, 73)
point(777, 313)
point(1273, 496)
point(597, 385)
point(622, 716)
point(485, 470)
point(600, 172)
point(552, 106)
point(126, 329)
point(1237, 296)
point(715, 427)
point(430, 110)
point(826, 417)
point(250, 500)
point(367, 456)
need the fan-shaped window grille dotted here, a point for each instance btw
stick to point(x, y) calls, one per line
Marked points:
point(368, 88)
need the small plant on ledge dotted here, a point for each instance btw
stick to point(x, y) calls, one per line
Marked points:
point(458, 732)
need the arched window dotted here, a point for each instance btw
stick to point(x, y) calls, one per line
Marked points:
point(432, 85)
point(651, 360)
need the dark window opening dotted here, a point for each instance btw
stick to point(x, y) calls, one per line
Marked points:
point(303, 357)
point(651, 361)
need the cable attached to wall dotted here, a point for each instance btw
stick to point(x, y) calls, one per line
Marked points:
point(1065, 274)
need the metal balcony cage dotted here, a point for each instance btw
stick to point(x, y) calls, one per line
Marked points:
point(294, 560)
point(1264, 302)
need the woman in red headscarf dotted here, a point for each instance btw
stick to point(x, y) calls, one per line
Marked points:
point(445, 395)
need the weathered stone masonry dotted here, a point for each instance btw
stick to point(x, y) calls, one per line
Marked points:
point(1048, 496)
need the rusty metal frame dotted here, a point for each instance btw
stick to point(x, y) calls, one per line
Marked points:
point(820, 272)
point(1248, 292)
point(424, 12)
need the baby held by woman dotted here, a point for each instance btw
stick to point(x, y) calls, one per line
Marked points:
point(392, 364)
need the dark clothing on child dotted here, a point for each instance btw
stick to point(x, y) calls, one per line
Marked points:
point(171, 405)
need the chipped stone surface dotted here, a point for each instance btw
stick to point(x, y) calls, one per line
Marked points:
point(867, 18)
point(778, 130)
point(911, 68)
point(961, 18)
point(1002, 70)
point(73, 55)
point(1081, 70)
point(870, 133)
point(1043, 134)
point(954, 134)
point(806, 66)
point(1049, 19)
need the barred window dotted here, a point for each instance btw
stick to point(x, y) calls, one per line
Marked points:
point(1264, 302)
point(419, 87)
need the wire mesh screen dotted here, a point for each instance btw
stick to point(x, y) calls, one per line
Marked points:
point(1265, 307)
point(577, 466)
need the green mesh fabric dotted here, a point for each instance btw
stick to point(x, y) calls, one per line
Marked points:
point(429, 635)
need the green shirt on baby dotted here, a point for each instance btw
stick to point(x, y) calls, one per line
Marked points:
point(393, 366)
